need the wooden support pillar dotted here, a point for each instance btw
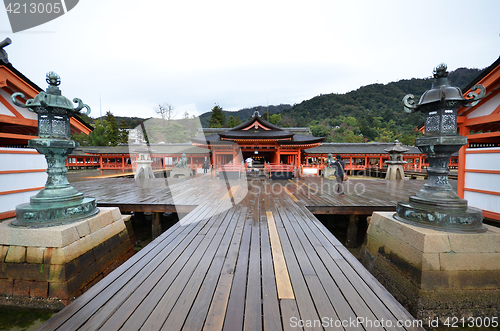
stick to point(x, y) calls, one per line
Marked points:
point(464, 131)
point(156, 225)
point(352, 232)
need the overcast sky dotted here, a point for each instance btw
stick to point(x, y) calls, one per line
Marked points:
point(134, 55)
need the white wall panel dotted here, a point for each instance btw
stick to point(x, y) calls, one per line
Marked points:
point(10, 162)
point(485, 182)
point(483, 201)
point(10, 201)
point(20, 181)
point(486, 108)
point(12, 182)
point(483, 161)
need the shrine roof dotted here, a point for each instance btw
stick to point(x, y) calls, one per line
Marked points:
point(256, 128)
point(357, 148)
point(257, 134)
point(296, 130)
point(155, 149)
point(295, 139)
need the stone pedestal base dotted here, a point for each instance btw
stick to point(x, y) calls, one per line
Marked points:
point(49, 267)
point(144, 169)
point(327, 172)
point(435, 273)
point(395, 171)
point(180, 172)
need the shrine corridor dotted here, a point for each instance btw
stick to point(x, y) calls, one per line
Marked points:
point(248, 258)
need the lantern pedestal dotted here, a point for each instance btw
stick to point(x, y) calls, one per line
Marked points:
point(59, 202)
point(435, 273)
point(48, 267)
point(327, 172)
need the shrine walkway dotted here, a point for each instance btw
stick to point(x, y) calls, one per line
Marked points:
point(246, 257)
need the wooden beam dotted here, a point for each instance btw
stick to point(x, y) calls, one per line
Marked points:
point(17, 136)
point(10, 107)
point(466, 111)
point(156, 225)
point(18, 121)
point(79, 126)
point(348, 210)
point(352, 232)
point(482, 119)
point(124, 207)
point(477, 136)
point(283, 283)
point(20, 84)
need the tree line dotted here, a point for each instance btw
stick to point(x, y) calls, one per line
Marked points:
point(372, 113)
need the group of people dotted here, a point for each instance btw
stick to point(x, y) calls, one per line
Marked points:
point(338, 164)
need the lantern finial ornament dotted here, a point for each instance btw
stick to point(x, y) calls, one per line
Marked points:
point(440, 71)
point(437, 205)
point(59, 202)
point(53, 79)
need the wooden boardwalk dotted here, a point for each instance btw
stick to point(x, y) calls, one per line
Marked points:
point(265, 263)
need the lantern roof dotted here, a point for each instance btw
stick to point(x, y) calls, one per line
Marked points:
point(51, 99)
point(442, 95)
point(396, 148)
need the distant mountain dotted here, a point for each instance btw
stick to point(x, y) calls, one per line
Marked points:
point(370, 113)
point(372, 100)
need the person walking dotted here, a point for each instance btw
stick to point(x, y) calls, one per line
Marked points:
point(340, 173)
point(206, 165)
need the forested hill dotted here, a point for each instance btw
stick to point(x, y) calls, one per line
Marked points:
point(244, 114)
point(370, 113)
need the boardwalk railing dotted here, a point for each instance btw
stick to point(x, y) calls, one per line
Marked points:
point(231, 170)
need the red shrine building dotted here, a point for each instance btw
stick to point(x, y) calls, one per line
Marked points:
point(19, 125)
point(479, 160)
point(22, 170)
point(258, 139)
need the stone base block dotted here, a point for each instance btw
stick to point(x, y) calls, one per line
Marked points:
point(435, 273)
point(180, 172)
point(49, 267)
point(327, 172)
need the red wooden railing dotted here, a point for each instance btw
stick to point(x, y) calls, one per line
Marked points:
point(278, 167)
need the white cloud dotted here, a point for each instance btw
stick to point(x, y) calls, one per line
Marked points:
point(134, 55)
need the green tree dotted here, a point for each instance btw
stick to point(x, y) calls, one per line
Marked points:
point(275, 119)
point(231, 122)
point(217, 118)
point(112, 132)
point(123, 132)
point(320, 130)
point(98, 136)
point(237, 121)
point(81, 138)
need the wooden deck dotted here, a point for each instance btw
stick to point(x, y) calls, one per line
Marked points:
point(265, 263)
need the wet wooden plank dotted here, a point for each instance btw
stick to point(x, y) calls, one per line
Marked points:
point(283, 283)
point(290, 314)
point(270, 293)
point(253, 304)
point(237, 296)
